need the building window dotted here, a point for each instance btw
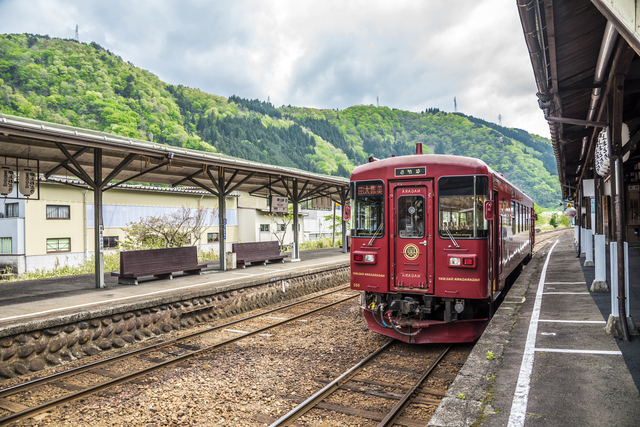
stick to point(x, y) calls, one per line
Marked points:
point(5, 245)
point(11, 210)
point(212, 237)
point(109, 242)
point(264, 228)
point(282, 227)
point(59, 245)
point(58, 212)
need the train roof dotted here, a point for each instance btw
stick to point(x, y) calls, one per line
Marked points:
point(446, 163)
point(472, 164)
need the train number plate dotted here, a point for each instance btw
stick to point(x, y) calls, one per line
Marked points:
point(419, 171)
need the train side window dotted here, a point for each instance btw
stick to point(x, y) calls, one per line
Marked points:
point(513, 217)
point(461, 206)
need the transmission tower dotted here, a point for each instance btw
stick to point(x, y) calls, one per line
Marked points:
point(77, 35)
point(455, 105)
point(378, 101)
point(268, 99)
point(500, 119)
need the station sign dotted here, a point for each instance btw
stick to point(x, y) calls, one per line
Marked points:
point(279, 204)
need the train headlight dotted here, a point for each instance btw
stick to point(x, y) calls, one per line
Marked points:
point(364, 258)
point(467, 261)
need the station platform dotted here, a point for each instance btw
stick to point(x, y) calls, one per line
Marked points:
point(546, 359)
point(35, 305)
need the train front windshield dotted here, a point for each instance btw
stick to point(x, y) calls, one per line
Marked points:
point(368, 211)
point(461, 206)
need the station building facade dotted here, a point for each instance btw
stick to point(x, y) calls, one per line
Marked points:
point(57, 227)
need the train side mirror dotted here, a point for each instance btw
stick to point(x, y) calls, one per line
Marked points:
point(488, 210)
point(347, 213)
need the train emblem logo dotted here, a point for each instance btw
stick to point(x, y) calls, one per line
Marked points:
point(411, 252)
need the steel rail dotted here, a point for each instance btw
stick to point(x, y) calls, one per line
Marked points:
point(29, 412)
point(80, 369)
point(321, 394)
point(393, 415)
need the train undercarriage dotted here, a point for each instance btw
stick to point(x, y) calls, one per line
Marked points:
point(423, 319)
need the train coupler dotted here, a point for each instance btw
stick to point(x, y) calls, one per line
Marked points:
point(404, 306)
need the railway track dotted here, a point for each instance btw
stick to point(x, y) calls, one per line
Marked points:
point(377, 388)
point(543, 238)
point(92, 378)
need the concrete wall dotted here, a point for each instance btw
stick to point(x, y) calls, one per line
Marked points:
point(13, 228)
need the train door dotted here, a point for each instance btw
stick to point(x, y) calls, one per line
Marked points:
point(413, 237)
point(495, 245)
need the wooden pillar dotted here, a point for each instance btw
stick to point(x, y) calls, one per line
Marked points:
point(615, 124)
point(599, 228)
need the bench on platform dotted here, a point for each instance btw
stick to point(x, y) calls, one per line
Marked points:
point(161, 263)
point(249, 253)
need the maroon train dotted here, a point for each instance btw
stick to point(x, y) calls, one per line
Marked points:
point(433, 240)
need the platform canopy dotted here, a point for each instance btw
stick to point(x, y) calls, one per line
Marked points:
point(577, 47)
point(103, 161)
point(586, 65)
point(64, 149)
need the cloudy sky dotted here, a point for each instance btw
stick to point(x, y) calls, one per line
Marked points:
point(410, 54)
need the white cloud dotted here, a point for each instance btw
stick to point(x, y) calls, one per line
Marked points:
point(413, 54)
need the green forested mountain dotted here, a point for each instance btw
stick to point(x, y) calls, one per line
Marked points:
point(84, 85)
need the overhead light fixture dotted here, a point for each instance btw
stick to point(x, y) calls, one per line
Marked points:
point(6, 180)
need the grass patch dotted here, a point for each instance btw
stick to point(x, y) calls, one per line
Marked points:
point(111, 260)
point(322, 243)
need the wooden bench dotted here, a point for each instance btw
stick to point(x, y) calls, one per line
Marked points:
point(249, 253)
point(161, 263)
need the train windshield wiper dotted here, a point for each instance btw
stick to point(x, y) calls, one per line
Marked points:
point(375, 234)
point(451, 236)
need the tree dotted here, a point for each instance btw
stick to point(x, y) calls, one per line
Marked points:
point(282, 221)
point(338, 224)
point(538, 210)
point(179, 228)
point(554, 220)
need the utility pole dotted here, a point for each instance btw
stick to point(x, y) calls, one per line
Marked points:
point(455, 105)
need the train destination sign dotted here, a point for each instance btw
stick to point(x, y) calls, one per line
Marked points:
point(419, 171)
